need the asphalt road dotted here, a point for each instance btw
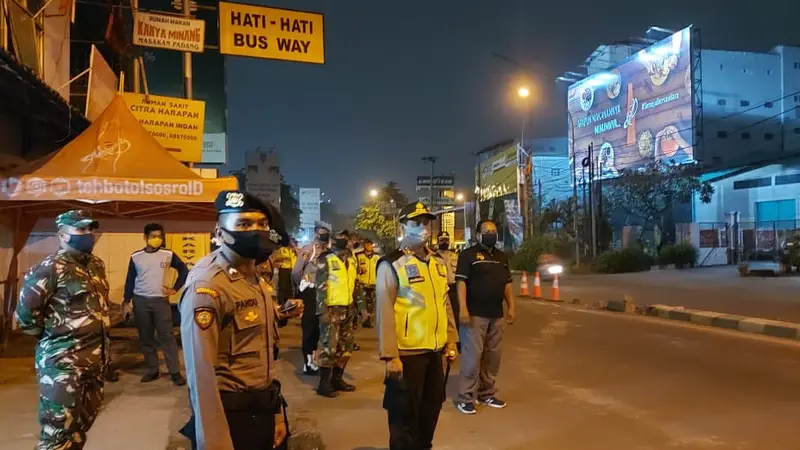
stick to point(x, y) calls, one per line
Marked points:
point(574, 379)
point(717, 289)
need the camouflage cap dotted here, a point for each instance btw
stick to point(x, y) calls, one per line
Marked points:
point(77, 218)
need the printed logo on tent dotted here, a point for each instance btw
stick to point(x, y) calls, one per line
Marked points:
point(110, 146)
point(36, 186)
point(59, 187)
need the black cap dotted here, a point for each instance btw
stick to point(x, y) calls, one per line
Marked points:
point(443, 235)
point(239, 202)
point(345, 233)
point(415, 210)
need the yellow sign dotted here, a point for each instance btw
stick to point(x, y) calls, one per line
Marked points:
point(169, 32)
point(176, 123)
point(271, 33)
point(449, 223)
point(498, 174)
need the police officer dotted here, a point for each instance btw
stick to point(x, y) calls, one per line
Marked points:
point(415, 327)
point(450, 259)
point(304, 275)
point(227, 315)
point(336, 280)
point(64, 303)
point(367, 270)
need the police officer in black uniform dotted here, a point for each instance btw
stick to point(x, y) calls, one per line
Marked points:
point(227, 315)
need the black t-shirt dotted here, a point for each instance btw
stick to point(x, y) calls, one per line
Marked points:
point(486, 274)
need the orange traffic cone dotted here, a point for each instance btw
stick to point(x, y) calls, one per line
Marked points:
point(556, 293)
point(523, 285)
point(537, 286)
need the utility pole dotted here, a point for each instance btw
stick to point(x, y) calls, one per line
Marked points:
point(432, 160)
point(575, 210)
point(592, 197)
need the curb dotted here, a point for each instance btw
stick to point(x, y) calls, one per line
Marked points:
point(541, 299)
point(774, 328)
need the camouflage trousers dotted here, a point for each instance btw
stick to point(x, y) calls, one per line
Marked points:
point(69, 402)
point(336, 336)
point(366, 302)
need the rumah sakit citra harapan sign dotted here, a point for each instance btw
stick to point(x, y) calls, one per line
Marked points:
point(271, 33)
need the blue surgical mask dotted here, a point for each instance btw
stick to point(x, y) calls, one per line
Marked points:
point(415, 234)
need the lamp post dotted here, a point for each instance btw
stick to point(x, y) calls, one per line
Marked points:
point(523, 93)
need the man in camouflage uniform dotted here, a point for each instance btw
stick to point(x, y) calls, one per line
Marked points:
point(367, 269)
point(64, 302)
point(335, 281)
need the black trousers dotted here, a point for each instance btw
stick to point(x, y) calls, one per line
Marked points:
point(413, 402)
point(250, 417)
point(310, 321)
point(453, 294)
point(285, 287)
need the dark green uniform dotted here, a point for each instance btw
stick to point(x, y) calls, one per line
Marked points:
point(64, 301)
point(336, 337)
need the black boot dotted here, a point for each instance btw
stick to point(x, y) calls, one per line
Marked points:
point(325, 388)
point(338, 383)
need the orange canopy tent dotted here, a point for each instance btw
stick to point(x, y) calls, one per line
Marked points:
point(115, 168)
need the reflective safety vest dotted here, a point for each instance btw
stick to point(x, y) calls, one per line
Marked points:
point(341, 280)
point(420, 310)
point(367, 268)
point(287, 258)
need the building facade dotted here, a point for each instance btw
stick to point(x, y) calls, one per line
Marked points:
point(263, 176)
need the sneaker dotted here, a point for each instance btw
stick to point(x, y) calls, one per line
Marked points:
point(466, 408)
point(493, 402)
point(152, 376)
point(178, 379)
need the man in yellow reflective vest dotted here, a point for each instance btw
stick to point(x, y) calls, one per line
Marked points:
point(415, 327)
point(335, 281)
point(367, 271)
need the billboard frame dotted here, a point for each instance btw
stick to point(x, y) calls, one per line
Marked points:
point(695, 49)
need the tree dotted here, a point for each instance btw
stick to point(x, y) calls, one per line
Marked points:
point(290, 208)
point(650, 193)
point(392, 192)
point(369, 218)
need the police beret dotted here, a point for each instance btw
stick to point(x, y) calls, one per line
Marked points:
point(237, 202)
point(320, 225)
point(77, 218)
point(414, 211)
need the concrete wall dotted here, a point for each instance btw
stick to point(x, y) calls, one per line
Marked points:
point(739, 126)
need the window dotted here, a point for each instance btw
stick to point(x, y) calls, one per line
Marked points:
point(797, 65)
point(769, 136)
point(752, 183)
point(769, 72)
point(787, 179)
point(745, 102)
point(797, 131)
point(797, 98)
point(745, 135)
point(721, 102)
point(768, 105)
point(555, 172)
point(722, 134)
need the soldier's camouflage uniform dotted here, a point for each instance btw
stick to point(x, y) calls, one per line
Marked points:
point(336, 337)
point(64, 301)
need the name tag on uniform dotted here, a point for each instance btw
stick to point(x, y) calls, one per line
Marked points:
point(442, 272)
point(413, 274)
point(249, 303)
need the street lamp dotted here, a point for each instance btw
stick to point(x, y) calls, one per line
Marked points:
point(373, 193)
point(523, 92)
point(459, 196)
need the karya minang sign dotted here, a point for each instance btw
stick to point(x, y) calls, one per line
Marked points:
point(169, 32)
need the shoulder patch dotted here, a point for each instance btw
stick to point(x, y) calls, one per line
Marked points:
point(204, 317)
point(207, 291)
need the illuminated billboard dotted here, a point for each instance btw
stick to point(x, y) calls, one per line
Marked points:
point(498, 174)
point(636, 113)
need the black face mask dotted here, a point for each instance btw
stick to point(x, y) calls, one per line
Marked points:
point(444, 246)
point(324, 238)
point(83, 243)
point(489, 239)
point(340, 243)
point(253, 244)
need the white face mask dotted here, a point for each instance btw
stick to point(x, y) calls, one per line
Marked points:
point(414, 234)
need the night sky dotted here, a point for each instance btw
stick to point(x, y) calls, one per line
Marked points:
point(407, 79)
